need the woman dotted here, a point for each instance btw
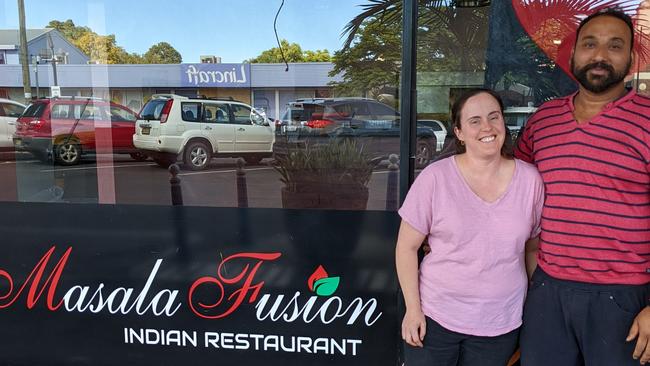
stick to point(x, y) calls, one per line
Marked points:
point(478, 210)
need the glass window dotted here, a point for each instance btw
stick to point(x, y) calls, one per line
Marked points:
point(90, 111)
point(215, 113)
point(34, 110)
point(62, 111)
point(191, 112)
point(12, 110)
point(379, 109)
point(241, 114)
point(121, 115)
point(153, 109)
point(331, 94)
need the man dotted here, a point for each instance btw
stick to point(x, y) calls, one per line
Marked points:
point(587, 301)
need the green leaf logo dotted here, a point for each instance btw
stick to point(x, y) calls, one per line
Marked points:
point(321, 283)
point(326, 286)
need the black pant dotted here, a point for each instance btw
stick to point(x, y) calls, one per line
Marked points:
point(443, 347)
point(569, 323)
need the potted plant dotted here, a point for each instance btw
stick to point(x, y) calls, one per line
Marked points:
point(333, 175)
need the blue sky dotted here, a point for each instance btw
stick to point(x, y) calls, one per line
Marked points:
point(233, 29)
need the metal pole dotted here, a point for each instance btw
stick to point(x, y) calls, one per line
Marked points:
point(51, 44)
point(27, 86)
point(35, 61)
point(242, 190)
point(391, 186)
point(175, 182)
point(408, 107)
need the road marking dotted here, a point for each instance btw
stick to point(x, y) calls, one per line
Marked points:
point(222, 171)
point(249, 170)
point(96, 167)
point(21, 162)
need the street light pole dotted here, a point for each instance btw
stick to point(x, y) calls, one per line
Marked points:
point(35, 61)
point(51, 44)
point(24, 61)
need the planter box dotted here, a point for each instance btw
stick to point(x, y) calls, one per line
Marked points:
point(333, 197)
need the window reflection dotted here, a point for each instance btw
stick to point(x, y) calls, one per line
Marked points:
point(112, 132)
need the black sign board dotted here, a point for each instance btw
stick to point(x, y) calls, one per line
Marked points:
point(150, 285)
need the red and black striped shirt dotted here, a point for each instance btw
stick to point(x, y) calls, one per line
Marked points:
point(596, 216)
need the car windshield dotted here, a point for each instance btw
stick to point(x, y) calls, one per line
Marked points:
point(153, 109)
point(34, 110)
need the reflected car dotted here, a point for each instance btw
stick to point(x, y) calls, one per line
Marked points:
point(200, 128)
point(439, 129)
point(66, 128)
point(374, 125)
point(516, 118)
point(9, 112)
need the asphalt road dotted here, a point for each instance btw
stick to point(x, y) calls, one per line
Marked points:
point(119, 179)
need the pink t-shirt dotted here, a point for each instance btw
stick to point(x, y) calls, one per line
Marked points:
point(474, 280)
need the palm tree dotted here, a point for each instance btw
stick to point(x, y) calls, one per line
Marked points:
point(466, 27)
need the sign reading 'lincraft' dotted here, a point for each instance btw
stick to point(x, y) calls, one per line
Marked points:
point(215, 75)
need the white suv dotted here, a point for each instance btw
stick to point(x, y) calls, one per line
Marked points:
point(197, 129)
point(9, 112)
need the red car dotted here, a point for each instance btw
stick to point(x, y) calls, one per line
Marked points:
point(65, 128)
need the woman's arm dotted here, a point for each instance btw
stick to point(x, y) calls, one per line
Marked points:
point(406, 258)
point(531, 255)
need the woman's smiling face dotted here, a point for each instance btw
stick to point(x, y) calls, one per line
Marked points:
point(482, 129)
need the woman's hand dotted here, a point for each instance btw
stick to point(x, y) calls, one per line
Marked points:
point(414, 327)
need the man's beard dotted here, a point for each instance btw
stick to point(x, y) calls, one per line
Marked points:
point(602, 82)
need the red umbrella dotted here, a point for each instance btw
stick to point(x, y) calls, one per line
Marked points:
point(552, 25)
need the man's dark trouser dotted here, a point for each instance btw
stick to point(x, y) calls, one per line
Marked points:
point(442, 347)
point(569, 323)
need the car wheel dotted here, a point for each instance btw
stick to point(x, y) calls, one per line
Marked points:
point(423, 153)
point(68, 153)
point(196, 156)
point(253, 159)
point(138, 156)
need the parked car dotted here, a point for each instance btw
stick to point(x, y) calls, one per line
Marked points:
point(374, 125)
point(197, 129)
point(516, 118)
point(439, 129)
point(9, 112)
point(64, 128)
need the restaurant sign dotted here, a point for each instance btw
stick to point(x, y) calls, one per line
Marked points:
point(204, 284)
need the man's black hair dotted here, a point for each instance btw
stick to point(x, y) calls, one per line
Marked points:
point(612, 12)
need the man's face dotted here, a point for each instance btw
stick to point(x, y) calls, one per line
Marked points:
point(602, 56)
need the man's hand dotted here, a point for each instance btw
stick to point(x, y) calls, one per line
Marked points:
point(414, 327)
point(641, 329)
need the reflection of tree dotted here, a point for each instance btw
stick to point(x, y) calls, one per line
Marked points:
point(104, 49)
point(449, 39)
point(457, 35)
point(371, 64)
point(291, 52)
point(456, 39)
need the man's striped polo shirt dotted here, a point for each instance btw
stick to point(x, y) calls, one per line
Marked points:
point(596, 216)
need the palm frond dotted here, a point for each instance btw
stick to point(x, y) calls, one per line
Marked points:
point(388, 11)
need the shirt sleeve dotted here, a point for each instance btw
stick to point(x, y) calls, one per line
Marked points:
point(417, 209)
point(538, 204)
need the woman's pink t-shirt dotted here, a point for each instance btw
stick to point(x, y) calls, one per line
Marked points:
point(474, 280)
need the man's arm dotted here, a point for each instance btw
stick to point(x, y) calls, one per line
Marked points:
point(641, 330)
